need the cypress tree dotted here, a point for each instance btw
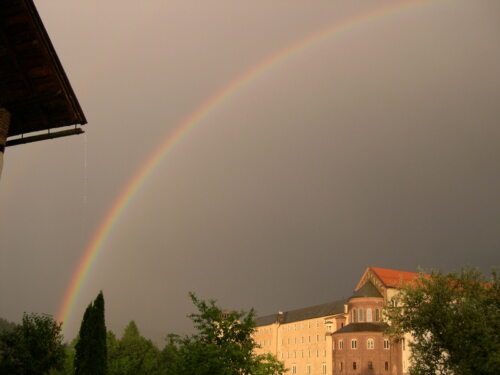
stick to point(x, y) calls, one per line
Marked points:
point(91, 350)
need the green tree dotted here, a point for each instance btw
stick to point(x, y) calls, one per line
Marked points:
point(68, 366)
point(454, 320)
point(91, 349)
point(33, 347)
point(5, 325)
point(223, 344)
point(170, 359)
point(132, 354)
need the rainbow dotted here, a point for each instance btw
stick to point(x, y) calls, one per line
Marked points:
point(209, 105)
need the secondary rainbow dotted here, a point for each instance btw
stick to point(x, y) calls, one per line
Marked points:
point(213, 102)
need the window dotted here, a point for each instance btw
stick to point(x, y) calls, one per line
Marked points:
point(294, 369)
point(361, 315)
point(370, 365)
point(370, 344)
point(354, 344)
point(386, 366)
point(308, 369)
point(341, 366)
point(354, 366)
point(368, 315)
point(353, 315)
point(341, 344)
point(377, 315)
point(323, 368)
point(386, 344)
point(403, 343)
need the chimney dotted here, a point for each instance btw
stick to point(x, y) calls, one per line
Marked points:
point(281, 317)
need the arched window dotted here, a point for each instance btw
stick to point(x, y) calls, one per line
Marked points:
point(377, 315)
point(368, 314)
point(353, 315)
point(370, 344)
point(361, 315)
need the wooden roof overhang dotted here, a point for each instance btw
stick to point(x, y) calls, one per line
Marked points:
point(33, 85)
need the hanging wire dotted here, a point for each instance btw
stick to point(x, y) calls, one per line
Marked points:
point(84, 190)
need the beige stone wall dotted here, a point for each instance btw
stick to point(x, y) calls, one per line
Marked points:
point(303, 345)
point(404, 349)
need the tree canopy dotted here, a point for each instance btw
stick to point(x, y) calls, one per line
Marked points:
point(32, 348)
point(132, 354)
point(91, 350)
point(454, 320)
point(222, 344)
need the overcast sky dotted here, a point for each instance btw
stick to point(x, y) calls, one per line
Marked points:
point(378, 146)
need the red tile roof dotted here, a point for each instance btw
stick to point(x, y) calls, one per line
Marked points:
point(394, 278)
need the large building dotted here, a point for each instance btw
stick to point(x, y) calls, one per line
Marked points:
point(342, 337)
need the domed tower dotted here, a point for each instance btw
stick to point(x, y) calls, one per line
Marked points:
point(360, 347)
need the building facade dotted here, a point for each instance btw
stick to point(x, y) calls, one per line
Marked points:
point(342, 337)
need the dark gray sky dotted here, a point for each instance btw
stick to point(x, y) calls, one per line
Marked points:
point(378, 146)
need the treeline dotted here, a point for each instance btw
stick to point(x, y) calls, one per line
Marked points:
point(221, 345)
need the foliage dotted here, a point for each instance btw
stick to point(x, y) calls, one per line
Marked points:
point(91, 349)
point(68, 365)
point(33, 347)
point(170, 359)
point(133, 354)
point(454, 320)
point(223, 344)
point(5, 325)
point(267, 364)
